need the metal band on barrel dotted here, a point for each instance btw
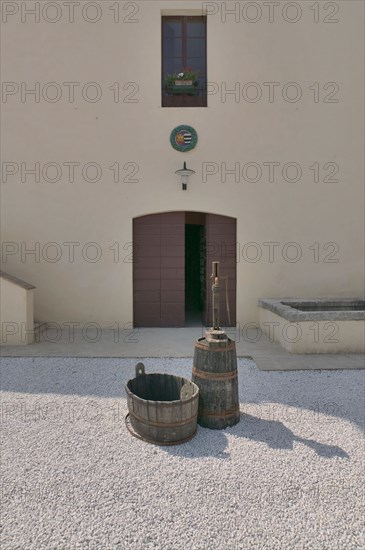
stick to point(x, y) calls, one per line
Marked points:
point(231, 412)
point(153, 441)
point(214, 376)
point(163, 424)
point(219, 347)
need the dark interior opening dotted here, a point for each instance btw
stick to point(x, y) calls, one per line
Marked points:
point(157, 387)
point(194, 274)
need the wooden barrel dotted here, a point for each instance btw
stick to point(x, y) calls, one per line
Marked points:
point(215, 374)
point(163, 408)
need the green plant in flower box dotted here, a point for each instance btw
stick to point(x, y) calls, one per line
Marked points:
point(185, 82)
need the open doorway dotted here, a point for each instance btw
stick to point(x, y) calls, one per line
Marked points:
point(194, 274)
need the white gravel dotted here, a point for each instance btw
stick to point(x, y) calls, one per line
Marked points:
point(288, 476)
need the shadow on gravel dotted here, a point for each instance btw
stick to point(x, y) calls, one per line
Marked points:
point(84, 377)
point(278, 436)
point(270, 399)
point(275, 434)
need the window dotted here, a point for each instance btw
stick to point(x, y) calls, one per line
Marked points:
point(184, 53)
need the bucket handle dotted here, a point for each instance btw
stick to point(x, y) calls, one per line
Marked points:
point(187, 391)
point(139, 369)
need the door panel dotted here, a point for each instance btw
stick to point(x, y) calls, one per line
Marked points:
point(174, 284)
point(221, 247)
point(158, 270)
point(146, 284)
point(174, 274)
point(172, 269)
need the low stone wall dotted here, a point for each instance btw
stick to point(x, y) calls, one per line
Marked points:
point(313, 331)
point(16, 313)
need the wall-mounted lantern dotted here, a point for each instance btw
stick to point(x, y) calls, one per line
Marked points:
point(184, 173)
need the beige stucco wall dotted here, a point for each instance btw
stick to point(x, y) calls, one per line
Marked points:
point(230, 132)
point(16, 314)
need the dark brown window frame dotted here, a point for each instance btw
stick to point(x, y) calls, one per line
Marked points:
point(183, 100)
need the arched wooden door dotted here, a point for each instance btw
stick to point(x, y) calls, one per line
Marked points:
point(160, 255)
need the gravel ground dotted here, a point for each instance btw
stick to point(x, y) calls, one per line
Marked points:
point(288, 476)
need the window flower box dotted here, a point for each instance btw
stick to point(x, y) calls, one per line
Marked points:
point(183, 89)
point(184, 83)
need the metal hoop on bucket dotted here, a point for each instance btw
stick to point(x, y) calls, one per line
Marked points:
point(153, 442)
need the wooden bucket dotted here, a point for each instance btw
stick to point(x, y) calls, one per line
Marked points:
point(215, 373)
point(163, 408)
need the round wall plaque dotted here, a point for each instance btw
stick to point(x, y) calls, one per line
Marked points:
point(183, 138)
